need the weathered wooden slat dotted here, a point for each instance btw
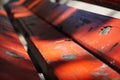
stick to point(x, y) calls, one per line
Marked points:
point(96, 33)
point(15, 63)
point(61, 55)
point(21, 12)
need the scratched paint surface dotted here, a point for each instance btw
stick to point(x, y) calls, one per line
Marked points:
point(66, 58)
point(96, 32)
point(15, 63)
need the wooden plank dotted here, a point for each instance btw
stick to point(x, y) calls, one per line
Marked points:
point(15, 63)
point(60, 54)
point(91, 29)
point(95, 32)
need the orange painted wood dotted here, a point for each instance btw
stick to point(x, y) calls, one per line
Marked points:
point(19, 13)
point(62, 55)
point(99, 34)
point(95, 32)
point(15, 63)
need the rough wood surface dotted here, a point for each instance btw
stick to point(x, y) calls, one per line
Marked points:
point(59, 53)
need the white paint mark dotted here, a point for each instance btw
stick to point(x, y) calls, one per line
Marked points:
point(41, 76)
point(69, 57)
point(112, 62)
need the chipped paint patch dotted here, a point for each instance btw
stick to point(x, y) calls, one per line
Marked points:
point(105, 30)
point(100, 74)
point(13, 54)
point(103, 66)
point(69, 57)
point(112, 62)
point(62, 47)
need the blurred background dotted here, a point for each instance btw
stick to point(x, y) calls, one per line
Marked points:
point(3, 2)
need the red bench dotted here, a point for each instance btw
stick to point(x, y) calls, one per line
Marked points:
point(67, 43)
point(93, 31)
